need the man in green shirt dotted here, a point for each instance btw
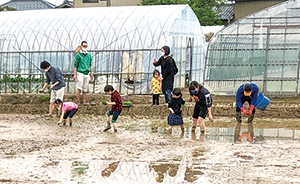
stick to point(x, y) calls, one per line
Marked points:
point(82, 71)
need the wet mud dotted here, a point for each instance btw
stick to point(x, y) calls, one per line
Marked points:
point(33, 149)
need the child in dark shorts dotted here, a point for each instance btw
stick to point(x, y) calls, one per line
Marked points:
point(116, 109)
point(68, 109)
point(174, 105)
point(203, 105)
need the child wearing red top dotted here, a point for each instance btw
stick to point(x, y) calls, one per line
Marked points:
point(68, 109)
point(116, 109)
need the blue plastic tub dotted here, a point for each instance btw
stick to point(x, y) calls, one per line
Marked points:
point(262, 102)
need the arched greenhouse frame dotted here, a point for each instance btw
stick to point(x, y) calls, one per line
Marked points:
point(261, 48)
point(123, 42)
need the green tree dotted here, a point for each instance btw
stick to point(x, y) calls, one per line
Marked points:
point(207, 11)
point(7, 8)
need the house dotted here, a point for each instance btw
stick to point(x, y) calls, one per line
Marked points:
point(29, 4)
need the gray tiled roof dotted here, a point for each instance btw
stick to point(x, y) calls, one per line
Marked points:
point(29, 4)
point(66, 4)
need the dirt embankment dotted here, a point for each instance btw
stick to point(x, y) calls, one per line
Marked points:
point(222, 105)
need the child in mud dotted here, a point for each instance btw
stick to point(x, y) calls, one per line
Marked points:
point(203, 105)
point(68, 109)
point(174, 105)
point(156, 87)
point(116, 109)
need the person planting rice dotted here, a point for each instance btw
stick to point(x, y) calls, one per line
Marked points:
point(246, 93)
point(68, 109)
point(116, 109)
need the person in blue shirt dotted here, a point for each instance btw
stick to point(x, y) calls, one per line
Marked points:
point(56, 83)
point(247, 92)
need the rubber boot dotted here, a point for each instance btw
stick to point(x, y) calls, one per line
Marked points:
point(107, 127)
point(238, 125)
point(250, 126)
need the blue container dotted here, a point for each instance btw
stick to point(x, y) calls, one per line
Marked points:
point(262, 102)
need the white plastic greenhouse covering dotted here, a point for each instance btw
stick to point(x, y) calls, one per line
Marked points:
point(122, 40)
point(262, 48)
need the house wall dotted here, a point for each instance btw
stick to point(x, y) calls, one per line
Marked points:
point(244, 8)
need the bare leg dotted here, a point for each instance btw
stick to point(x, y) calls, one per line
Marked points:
point(58, 112)
point(84, 96)
point(115, 126)
point(194, 124)
point(201, 124)
point(182, 129)
point(64, 121)
point(78, 95)
point(108, 123)
point(107, 119)
point(193, 135)
point(170, 129)
point(202, 138)
point(51, 107)
point(70, 121)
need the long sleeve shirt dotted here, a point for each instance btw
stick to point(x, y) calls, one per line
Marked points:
point(240, 95)
point(83, 62)
point(167, 72)
point(53, 75)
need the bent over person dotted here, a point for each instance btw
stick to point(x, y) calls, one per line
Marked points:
point(56, 83)
point(203, 105)
point(246, 93)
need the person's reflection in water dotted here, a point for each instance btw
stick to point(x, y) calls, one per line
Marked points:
point(173, 170)
point(190, 175)
point(111, 168)
point(161, 169)
point(201, 138)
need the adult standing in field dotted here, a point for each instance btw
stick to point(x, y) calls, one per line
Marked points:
point(57, 83)
point(246, 93)
point(82, 71)
point(168, 70)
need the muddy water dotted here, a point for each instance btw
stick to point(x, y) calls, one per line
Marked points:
point(34, 150)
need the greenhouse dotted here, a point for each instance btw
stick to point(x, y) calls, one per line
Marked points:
point(123, 42)
point(262, 48)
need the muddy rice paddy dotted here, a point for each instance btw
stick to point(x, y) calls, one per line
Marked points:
point(33, 149)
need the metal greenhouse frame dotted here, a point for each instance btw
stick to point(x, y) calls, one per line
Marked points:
point(261, 48)
point(122, 40)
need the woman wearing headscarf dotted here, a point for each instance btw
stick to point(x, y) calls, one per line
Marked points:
point(168, 70)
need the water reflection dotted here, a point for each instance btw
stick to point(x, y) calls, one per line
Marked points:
point(226, 134)
point(111, 168)
point(119, 172)
point(219, 133)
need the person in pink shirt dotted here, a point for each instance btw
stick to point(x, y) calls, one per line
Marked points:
point(68, 109)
